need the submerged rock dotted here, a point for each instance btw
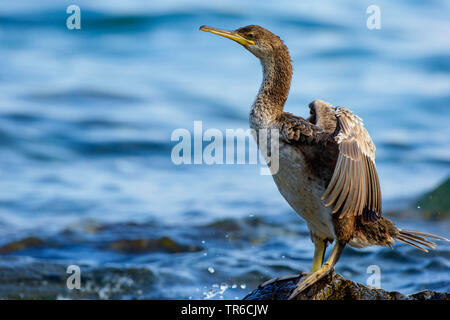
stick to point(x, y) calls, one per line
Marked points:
point(164, 244)
point(19, 245)
point(335, 287)
point(436, 203)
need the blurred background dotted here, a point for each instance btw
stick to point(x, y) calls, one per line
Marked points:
point(86, 118)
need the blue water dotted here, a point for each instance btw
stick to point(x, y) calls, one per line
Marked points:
point(86, 118)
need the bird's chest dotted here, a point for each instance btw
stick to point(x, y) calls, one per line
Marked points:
point(302, 189)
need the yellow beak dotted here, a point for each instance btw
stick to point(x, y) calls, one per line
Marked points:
point(228, 34)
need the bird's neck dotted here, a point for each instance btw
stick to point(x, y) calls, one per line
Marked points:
point(269, 103)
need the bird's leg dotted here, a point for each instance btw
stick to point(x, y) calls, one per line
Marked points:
point(319, 252)
point(321, 272)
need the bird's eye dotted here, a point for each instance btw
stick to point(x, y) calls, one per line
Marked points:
point(250, 36)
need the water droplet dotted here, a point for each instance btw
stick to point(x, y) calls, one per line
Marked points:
point(211, 270)
point(223, 287)
point(243, 286)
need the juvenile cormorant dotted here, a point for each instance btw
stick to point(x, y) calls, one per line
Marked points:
point(327, 167)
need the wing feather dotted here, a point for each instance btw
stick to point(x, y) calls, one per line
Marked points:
point(354, 188)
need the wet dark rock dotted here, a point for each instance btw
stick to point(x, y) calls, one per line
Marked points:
point(26, 243)
point(436, 203)
point(335, 287)
point(430, 295)
point(164, 244)
point(253, 230)
point(227, 225)
point(230, 224)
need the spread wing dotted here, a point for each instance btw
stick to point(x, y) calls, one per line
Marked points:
point(354, 188)
point(323, 115)
point(317, 129)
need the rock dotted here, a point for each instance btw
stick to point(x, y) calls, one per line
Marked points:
point(29, 242)
point(335, 287)
point(436, 203)
point(164, 244)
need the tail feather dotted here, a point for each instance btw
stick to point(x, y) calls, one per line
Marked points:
point(418, 239)
point(411, 244)
point(427, 235)
point(410, 240)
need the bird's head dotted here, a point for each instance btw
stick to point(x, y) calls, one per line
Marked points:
point(259, 41)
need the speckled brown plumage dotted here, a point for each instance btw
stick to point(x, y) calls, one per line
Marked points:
point(327, 162)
